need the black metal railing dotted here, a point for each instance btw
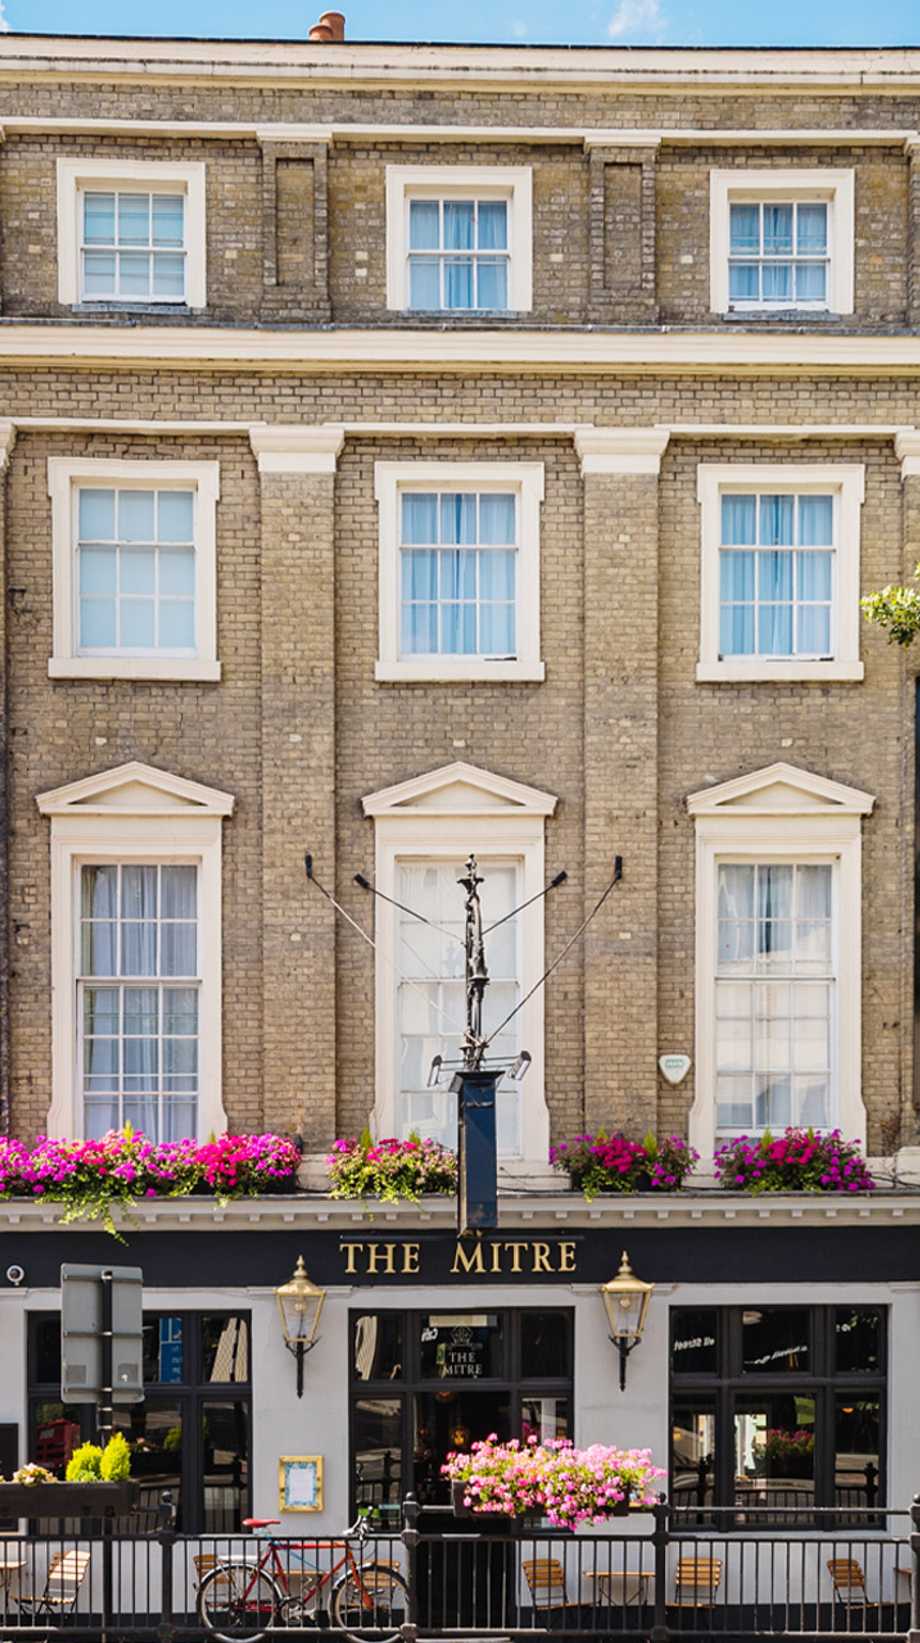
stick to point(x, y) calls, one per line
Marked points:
point(657, 1574)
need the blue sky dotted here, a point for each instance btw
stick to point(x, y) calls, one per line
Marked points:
point(578, 22)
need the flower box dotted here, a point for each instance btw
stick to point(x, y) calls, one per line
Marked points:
point(34, 1500)
point(601, 1163)
point(551, 1480)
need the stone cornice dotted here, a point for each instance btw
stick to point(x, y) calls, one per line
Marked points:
point(520, 1211)
point(723, 352)
point(907, 450)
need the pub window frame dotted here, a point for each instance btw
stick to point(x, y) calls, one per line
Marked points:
point(191, 1394)
point(412, 1382)
point(721, 1390)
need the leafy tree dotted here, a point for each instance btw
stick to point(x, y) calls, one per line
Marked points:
point(896, 610)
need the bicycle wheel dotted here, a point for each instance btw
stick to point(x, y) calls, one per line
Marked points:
point(370, 1603)
point(237, 1602)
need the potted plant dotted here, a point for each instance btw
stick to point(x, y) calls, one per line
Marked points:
point(551, 1480)
point(613, 1163)
point(796, 1161)
point(786, 1454)
point(359, 1167)
point(97, 1484)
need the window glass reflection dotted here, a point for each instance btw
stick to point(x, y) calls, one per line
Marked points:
point(776, 1340)
point(377, 1451)
point(695, 1341)
point(545, 1418)
point(163, 1349)
point(225, 1450)
point(464, 1346)
point(377, 1350)
point(546, 1351)
point(55, 1434)
point(225, 1350)
point(693, 1454)
point(857, 1448)
point(774, 1437)
point(857, 1340)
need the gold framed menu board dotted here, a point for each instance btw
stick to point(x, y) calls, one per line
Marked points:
point(300, 1483)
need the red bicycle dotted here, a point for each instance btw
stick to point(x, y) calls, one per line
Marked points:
point(241, 1599)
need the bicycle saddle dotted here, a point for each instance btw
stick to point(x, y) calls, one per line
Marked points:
point(259, 1522)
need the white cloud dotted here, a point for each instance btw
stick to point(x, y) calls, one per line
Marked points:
point(519, 28)
point(639, 19)
point(4, 20)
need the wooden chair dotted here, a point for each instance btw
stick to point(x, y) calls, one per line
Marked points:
point(545, 1579)
point(67, 1571)
point(697, 1582)
point(848, 1581)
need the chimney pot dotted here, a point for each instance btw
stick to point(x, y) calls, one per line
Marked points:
point(335, 20)
point(320, 33)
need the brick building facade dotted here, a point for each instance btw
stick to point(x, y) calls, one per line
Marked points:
point(706, 267)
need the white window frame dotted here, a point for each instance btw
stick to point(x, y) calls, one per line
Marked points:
point(66, 476)
point(782, 815)
point(77, 176)
point(513, 183)
point(818, 185)
point(443, 816)
point(846, 483)
point(526, 479)
point(131, 815)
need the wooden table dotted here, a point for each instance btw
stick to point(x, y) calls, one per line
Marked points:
point(621, 1588)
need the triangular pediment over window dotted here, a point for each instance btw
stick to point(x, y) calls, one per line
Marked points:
point(135, 789)
point(460, 790)
point(780, 789)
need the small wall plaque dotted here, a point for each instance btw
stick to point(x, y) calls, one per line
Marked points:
point(300, 1483)
point(674, 1067)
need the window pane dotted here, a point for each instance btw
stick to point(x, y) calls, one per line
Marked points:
point(458, 517)
point(546, 1418)
point(857, 1341)
point(743, 282)
point(164, 1348)
point(460, 1346)
point(496, 518)
point(424, 283)
point(377, 1451)
point(496, 575)
point(546, 1345)
point(774, 1450)
point(736, 575)
point(493, 225)
point(175, 518)
point(777, 514)
point(138, 949)
point(225, 1446)
point(814, 631)
point(45, 1346)
point(814, 572)
point(424, 221)
point(777, 229)
point(812, 228)
point(458, 283)
point(811, 282)
point(736, 630)
point(695, 1341)
point(775, 1340)
point(169, 275)
point(178, 945)
point(135, 516)
point(154, 1430)
point(134, 274)
point(177, 576)
point(179, 888)
point(777, 281)
point(138, 571)
point(98, 274)
point(99, 892)
point(739, 521)
point(496, 630)
point(857, 1450)
point(98, 573)
point(97, 624)
point(98, 219)
point(458, 225)
point(139, 892)
point(419, 630)
point(97, 515)
point(774, 630)
point(168, 214)
point(693, 1453)
point(225, 1349)
point(134, 219)
point(377, 1346)
point(492, 278)
point(744, 228)
point(138, 624)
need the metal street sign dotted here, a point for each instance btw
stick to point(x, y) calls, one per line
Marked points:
point(102, 1335)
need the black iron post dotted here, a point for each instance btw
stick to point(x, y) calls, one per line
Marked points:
point(660, 1632)
point(104, 1418)
point(166, 1539)
point(914, 1633)
point(409, 1537)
